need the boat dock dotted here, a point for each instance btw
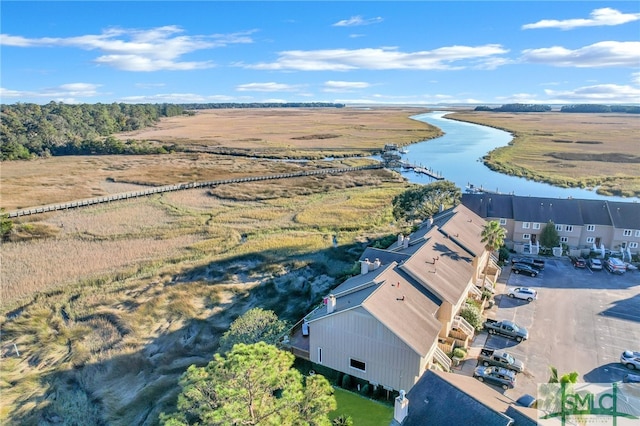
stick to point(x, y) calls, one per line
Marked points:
point(422, 170)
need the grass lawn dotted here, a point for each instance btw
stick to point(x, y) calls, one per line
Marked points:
point(363, 411)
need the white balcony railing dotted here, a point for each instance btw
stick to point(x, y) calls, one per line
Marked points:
point(442, 359)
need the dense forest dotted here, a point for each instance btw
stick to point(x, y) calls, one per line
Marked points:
point(567, 108)
point(32, 130)
point(601, 108)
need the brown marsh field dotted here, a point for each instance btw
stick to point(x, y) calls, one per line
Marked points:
point(103, 308)
point(567, 149)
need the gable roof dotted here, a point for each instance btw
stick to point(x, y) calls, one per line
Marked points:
point(465, 228)
point(542, 210)
point(569, 211)
point(489, 205)
point(452, 399)
point(395, 300)
point(442, 266)
point(624, 215)
point(595, 212)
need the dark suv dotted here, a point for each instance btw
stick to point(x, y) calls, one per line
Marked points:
point(578, 262)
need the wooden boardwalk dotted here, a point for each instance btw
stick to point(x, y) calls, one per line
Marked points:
point(178, 187)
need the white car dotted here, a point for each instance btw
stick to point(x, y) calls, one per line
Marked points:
point(630, 359)
point(595, 264)
point(525, 293)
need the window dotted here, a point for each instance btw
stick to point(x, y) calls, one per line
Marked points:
point(358, 365)
point(564, 239)
point(568, 228)
point(536, 226)
point(503, 221)
point(633, 245)
point(558, 227)
point(591, 240)
point(526, 225)
point(591, 228)
point(319, 355)
point(627, 232)
point(526, 236)
point(637, 232)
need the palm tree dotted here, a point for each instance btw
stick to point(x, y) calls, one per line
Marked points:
point(493, 236)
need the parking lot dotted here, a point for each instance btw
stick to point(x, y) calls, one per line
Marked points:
point(582, 321)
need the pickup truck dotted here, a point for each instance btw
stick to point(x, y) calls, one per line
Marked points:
point(534, 263)
point(506, 328)
point(500, 358)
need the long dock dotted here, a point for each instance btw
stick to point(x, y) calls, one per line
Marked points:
point(178, 187)
point(422, 170)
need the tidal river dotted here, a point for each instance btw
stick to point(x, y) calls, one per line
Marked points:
point(458, 157)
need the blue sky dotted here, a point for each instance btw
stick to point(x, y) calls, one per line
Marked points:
point(415, 52)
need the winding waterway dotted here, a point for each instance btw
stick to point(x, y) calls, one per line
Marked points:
point(458, 157)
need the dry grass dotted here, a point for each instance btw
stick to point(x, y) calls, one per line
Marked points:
point(295, 129)
point(139, 290)
point(568, 149)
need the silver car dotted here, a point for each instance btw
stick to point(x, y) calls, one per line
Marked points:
point(525, 293)
point(630, 359)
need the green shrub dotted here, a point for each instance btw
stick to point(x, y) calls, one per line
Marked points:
point(347, 382)
point(459, 353)
point(473, 316)
point(503, 254)
point(366, 390)
point(342, 420)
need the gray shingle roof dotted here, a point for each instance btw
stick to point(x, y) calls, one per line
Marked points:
point(489, 205)
point(624, 215)
point(443, 399)
point(595, 212)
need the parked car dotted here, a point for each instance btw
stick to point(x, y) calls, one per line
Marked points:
point(615, 266)
point(496, 376)
point(522, 268)
point(526, 400)
point(595, 264)
point(534, 263)
point(525, 293)
point(630, 359)
point(506, 328)
point(631, 378)
point(578, 262)
point(499, 358)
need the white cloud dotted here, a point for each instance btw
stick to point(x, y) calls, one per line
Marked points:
point(602, 54)
point(64, 93)
point(386, 59)
point(635, 78)
point(599, 17)
point(355, 21)
point(344, 86)
point(266, 87)
point(599, 93)
point(139, 50)
point(175, 98)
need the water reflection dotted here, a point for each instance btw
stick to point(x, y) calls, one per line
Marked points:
point(458, 157)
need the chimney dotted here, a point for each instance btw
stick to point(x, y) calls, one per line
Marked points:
point(364, 266)
point(331, 303)
point(400, 238)
point(401, 407)
point(430, 222)
point(441, 208)
point(376, 264)
point(405, 243)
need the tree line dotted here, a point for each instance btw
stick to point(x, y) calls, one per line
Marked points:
point(32, 130)
point(628, 109)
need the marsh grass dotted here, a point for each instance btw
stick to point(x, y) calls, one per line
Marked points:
point(591, 150)
point(110, 311)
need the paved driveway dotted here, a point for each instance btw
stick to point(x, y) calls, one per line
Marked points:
point(582, 321)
